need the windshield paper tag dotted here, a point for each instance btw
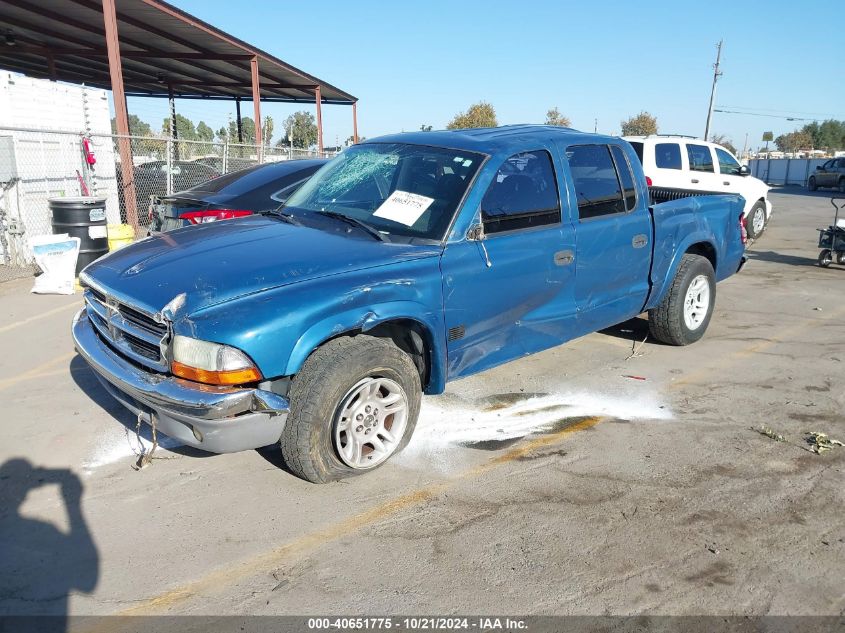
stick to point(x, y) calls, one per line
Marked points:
point(403, 207)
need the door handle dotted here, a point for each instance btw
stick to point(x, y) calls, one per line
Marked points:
point(725, 182)
point(695, 180)
point(564, 258)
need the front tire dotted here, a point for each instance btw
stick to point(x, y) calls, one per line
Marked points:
point(756, 223)
point(825, 258)
point(684, 313)
point(354, 404)
point(811, 184)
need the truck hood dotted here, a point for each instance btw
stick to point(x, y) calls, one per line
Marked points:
point(220, 261)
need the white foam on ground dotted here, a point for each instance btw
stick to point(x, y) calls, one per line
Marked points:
point(120, 443)
point(447, 422)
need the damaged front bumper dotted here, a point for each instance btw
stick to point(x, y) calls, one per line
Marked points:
point(214, 419)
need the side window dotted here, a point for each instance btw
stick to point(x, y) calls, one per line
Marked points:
point(841, 163)
point(700, 158)
point(524, 194)
point(623, 168)
point(667, 155)
point(727, 163)
point(596, 183)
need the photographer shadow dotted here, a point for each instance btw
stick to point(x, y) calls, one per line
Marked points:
point(41, 565)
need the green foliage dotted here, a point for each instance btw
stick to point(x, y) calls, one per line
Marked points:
point(724, 141)
point(185, 130)
point(829, 135)
point(639, 125)
point(267, 130)
point(137, 127)
point(302, 127)
point(204, 132)
point(480, 114)
point(425, 128)
point(768, 136)
point(794, 141)
point(554, 117)
point(247, 128)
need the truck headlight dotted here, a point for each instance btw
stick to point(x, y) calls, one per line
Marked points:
point(211, 363)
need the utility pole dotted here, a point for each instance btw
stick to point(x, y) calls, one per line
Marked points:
point(595, 126)
point(716, 74)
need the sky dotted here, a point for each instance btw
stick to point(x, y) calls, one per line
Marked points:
point(420, 63)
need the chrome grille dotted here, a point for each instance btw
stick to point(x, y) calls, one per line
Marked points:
point(131, 332)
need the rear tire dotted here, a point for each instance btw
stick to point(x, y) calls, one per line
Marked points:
point(756, 223)
point(825, 258)
point(684, 313)
point(325, 396)
point(811, 184)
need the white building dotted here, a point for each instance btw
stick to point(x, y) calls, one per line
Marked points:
point(46, 122)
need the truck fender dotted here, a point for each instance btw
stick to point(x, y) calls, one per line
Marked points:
point(363, 319)
point(663, 280)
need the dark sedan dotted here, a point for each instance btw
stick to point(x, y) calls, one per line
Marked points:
point(253, 190)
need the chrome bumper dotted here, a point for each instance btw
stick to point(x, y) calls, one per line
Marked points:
point(215, 419)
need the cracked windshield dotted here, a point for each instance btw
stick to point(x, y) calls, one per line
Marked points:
point(395, 189)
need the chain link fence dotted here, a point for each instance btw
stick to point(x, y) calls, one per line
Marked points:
point(36, 165)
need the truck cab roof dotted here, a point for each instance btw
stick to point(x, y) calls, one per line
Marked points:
point(495, 139)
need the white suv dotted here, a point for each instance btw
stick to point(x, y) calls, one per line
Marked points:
point(680, 166)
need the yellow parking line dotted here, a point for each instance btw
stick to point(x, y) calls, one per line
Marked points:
point(758, 346)
point(37, 317)
point(272, 559)
point(37, 372)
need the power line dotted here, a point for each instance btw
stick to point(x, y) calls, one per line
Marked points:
point(772, 116)
point(785, 112)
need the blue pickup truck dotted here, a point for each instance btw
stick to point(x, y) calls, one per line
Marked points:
point(407, 261)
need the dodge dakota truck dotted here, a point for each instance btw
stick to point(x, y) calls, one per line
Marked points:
point(405, 262)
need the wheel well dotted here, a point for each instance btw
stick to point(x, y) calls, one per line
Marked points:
point(411, 337)
point(705, 249)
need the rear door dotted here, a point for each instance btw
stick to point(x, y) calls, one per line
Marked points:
point(701, 169)
point(613, 236)
point(511, 293)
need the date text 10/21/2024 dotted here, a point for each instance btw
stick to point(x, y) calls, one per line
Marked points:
point(418, 624)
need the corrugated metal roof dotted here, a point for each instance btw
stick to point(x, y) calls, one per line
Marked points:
point(160, 45)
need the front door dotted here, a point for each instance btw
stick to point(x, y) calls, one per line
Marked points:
point(510, 293)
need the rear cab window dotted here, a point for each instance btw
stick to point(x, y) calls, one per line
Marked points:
point(700, 158)
point(667, 156)
point(523, 195)
point(598, 189)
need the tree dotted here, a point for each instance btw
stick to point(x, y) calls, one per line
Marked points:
point(351, 140)
point(137, 127)
point(554, 117)
point(642, 124)
point(724, 141)
point(425, 128)
point(480, 114)
point(794, 141)
point(828, 135)
point(267, 130)
point(204, 132)
point(247, 130)
point(185, 129)
point(302, 128)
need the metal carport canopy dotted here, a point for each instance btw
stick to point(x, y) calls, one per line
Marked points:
point(149, 48)
point(160, 47)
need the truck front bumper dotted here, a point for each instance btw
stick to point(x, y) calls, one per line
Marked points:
point(214, 419)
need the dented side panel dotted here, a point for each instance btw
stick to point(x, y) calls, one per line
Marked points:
point(682, 224)
point(279, 328)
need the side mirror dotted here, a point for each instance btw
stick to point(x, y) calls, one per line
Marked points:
point(476, 233)
point(819, 167)
point(744, 171)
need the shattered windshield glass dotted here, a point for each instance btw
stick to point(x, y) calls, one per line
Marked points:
point(395, 188)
